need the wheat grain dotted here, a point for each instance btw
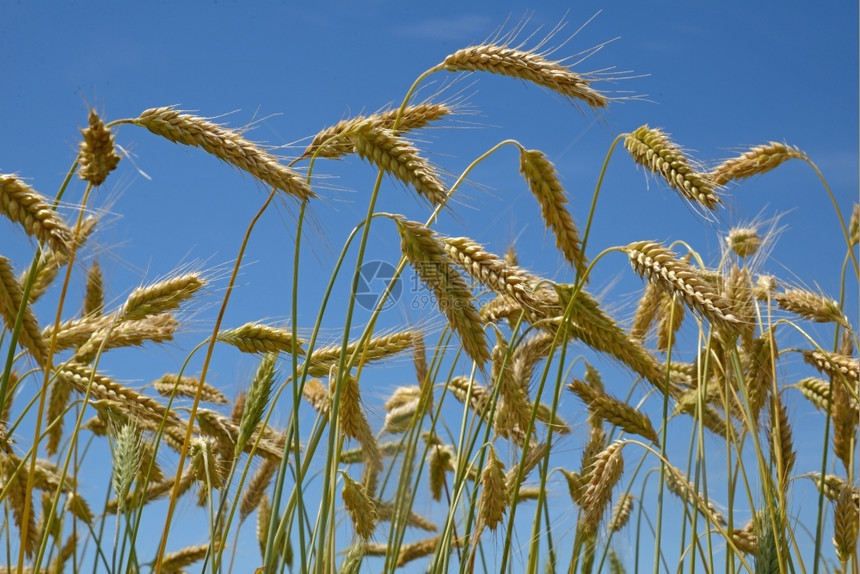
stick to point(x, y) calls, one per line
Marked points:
point(652, 148)
point(96, 156)
point(758, 160)
point(526, 65)
point(22, 204)
point(545, 186)
point(225, 144)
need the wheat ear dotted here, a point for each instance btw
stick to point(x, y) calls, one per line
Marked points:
point(260, 338)
point(526, 65)
point(545, 185)
point(163, 296)
point(360, 507)
point(614, 411)
point(96, 155)
point(652, 148)
point(336, 141)
point(758, 160)
point(428, 255)
point(811, 306)
point(11, 302)
point(24, 205)
point(185, 386)
point(225, 144)
point(493, 499)
point(396, 156)
point(660, 266)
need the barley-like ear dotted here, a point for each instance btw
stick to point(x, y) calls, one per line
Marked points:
point(322, 360)
point(781, 444)
point(811, 306)
point(60, 395)
point(758, 160)
point(175, 561)
point(744, 241)
point(652, 148)
point(126, 461)
point(529, 66)
point(22, 204)
point(854, 226)
point(11, 300)
point(493, 500)
point(671, 316)
point(616, 412)
point(845, 420)
point(15, 485)
point(94, 298)
point(316, 393)
point(225, 144)
point(161, 297)
point(646, 312)
point(660, 266)
point(396, 156)
point(259, 338)
point(621, 512)
point(97, 155)
point(427, 254)
point(678, 484)
point(846, 520)
point(605, 474)
point(545, 185)
point(255, 492)
point(835, 365)
point(353, 422)
point(185, 386)
point(360, 507)
point(335, 141)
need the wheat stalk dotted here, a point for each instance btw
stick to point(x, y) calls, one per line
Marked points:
point(225, 144)
point(652, 148)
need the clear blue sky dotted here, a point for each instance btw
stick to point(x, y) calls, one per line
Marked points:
point(720, 77)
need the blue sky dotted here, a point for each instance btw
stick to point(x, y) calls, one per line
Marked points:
point(719, 77)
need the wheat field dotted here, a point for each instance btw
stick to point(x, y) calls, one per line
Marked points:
point(439, 403)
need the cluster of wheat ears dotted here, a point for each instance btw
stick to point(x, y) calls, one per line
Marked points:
point(502, 367)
